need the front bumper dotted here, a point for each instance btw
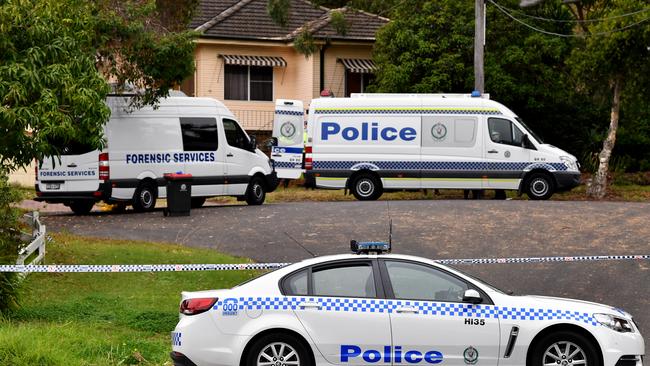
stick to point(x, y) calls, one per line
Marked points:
point(272, 181)
point(180, 359)
point(566, 180)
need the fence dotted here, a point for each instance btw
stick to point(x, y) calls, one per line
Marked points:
point(37, 245)
point(254, 120)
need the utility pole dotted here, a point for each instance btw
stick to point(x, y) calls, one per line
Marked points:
point(479, 44)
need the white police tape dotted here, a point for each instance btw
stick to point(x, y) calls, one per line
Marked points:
point(116, 268)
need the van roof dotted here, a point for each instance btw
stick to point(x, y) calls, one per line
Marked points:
point(176, 101)
point(397, 101)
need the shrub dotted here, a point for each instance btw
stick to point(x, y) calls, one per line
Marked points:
point(9, 243)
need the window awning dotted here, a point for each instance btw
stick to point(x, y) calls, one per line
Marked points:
point(358, 65)
point(270, 61)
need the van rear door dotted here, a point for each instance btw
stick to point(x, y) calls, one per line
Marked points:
point(77, 170)
point(288, 129)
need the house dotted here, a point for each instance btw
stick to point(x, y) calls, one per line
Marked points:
point(246, 60)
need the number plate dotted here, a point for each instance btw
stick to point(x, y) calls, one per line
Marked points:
point(51, 186)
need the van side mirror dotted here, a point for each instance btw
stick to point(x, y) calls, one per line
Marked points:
point(472, 296)
point(253, 143)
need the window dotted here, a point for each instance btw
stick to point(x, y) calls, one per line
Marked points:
point(71, 147)
point(248, 82)
point(413, 281)
point(235, 136)
point(296, 284)
point(199, 134)
point(448, 131)
point(357, 82)
point(502, 131)
point(354, 280)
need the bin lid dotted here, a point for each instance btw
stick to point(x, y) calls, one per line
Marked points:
point(175, 176)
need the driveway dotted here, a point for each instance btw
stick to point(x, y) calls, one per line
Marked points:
point(435, 229)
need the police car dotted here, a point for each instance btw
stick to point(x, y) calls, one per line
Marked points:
point(375, 308)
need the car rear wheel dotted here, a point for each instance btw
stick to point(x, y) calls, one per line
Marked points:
point(144, 198)
point(565, 349)
point(256, 192)
point(366, 187)
point(82, 207)
point(278, 350)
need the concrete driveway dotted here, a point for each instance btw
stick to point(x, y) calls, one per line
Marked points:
point(435, 229)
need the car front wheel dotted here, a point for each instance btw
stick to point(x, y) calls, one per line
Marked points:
point(565, 348)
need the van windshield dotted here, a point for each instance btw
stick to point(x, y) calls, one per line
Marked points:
point(530, 132)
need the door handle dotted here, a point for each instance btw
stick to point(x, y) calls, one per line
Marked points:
point(309, 305)
point(73, 165)
point(277, 155)
point(407, 310)
point(230, 155)
point(493, 152)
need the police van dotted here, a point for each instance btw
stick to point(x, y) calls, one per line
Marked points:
point(371, 143)
point(197, 136)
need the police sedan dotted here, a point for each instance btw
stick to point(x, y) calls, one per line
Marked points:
point(387, 309)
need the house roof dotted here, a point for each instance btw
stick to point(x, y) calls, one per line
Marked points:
point(249, 19)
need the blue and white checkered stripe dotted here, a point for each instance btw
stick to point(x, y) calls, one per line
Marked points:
point(287, 165)
point(117, 268)
point(176, 338)
point(407, 111)
point(423, 307)
point(434, 165)
point(288, 113)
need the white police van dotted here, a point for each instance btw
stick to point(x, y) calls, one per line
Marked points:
point(369, 309)
point(370, 143)
point(198, 136)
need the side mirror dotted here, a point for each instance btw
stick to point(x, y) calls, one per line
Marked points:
point(253, 143)
point(472, 296)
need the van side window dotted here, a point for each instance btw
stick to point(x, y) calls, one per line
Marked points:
point(503, 131)
point(199, 134)
point(234, 134)
point(448, 131)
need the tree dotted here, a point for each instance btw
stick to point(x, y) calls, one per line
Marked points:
point(612, 61)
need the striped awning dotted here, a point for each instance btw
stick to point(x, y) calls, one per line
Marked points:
point(358, 65)
point(270, 61)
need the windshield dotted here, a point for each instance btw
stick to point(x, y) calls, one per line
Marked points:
point(530, 132)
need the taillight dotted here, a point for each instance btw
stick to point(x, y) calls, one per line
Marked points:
point(104, 169)
point(198, 305)
point(309, 163)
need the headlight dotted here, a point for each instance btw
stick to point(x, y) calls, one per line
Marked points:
point(614, 322)
point(570, 163)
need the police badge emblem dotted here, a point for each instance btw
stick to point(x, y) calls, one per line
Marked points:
point(439, 131)
point(470, 355)
point(287, 129)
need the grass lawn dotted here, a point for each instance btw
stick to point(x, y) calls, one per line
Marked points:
point(105, 318)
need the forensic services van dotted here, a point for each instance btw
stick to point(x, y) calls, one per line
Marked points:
point(371, 143)
point(197, 136)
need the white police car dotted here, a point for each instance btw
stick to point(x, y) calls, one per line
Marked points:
point(369, 309)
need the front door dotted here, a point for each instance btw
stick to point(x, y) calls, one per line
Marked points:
point(504, 155)
point(343, 315)
point(430, 323)
point(239, 158)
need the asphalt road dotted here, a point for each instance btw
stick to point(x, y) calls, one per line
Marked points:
point(434, 229)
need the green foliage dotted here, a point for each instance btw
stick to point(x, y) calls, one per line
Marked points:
point(279, 11)
point(304, 42)
point(339, 23)
point(9, 243)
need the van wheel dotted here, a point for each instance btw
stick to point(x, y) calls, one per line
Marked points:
point(197, 202)
point(565, 348)
point(278, 349)
point(82, 207)
point(255, 193)
point(540, 186)
point(366, 187)
point(144, 198)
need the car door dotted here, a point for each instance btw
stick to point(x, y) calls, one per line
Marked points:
point(504, 154)
point(202, 155)
point(239, 158)
point(343, 314)
point(429, 321)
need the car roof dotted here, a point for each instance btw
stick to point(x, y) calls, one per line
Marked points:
point(352, 256)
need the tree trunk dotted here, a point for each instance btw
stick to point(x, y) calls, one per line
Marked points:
point(598, 186)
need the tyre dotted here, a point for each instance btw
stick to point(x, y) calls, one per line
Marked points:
point(366, 187)
point(278, 350)
point(197, 202)
point(565, 348)
point(540, 186)
point(144, 198)
point(256, 192)
point(82, 207)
